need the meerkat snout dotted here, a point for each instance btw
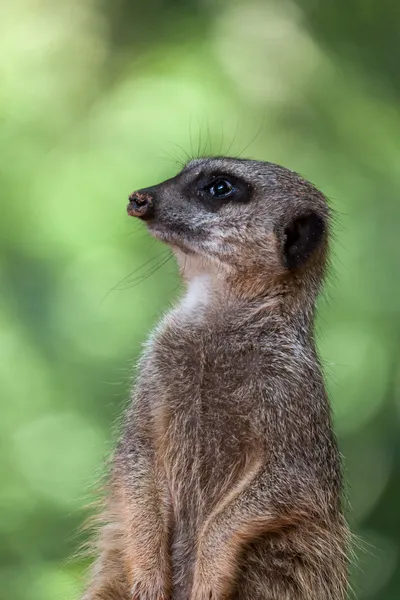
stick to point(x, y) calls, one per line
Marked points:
point(242, 216)
point(140, 205)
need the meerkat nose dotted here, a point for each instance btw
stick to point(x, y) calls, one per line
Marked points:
point(140, 205)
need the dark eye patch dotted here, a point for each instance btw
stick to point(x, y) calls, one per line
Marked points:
point(217, 189)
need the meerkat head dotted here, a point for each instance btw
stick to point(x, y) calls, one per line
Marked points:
point(261, 227)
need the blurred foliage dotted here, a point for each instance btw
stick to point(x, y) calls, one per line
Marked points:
point(98, 98)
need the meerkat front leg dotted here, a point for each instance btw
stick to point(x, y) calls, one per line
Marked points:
point(138, 513)
point(237, 519)
point(134, 562)
point(244, 515)
point(144, 508)
point(108, 579)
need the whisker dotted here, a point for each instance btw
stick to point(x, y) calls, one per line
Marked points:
point(182, 150)
point(190, 136)
point(136, 275)
point(222, 138)
point(208, 141)
point(117, 285)
point(253, 138)
point(169, 159)
point(173, 158)
point(200, 138)
point(233, 140)
point(149, 273)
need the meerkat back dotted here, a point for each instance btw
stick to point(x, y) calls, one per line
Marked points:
point(226, 482)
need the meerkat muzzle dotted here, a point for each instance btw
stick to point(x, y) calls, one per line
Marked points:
point(140, 205)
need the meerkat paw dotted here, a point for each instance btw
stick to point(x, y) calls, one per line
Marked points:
point(145, 588)
point(205, 591)
point(212, 580)
point(205, 594)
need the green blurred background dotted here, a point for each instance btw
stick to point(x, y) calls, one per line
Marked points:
point(98, 98)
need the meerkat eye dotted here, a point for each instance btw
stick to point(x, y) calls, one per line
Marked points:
point(220, 188)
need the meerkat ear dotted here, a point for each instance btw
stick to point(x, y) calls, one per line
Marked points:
point(301, 237)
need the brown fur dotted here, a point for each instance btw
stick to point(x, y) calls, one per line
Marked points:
point(226, 483)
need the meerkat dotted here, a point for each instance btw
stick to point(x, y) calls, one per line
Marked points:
point(226, 483)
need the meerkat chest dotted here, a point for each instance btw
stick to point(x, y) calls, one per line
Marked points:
point(205, 408)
